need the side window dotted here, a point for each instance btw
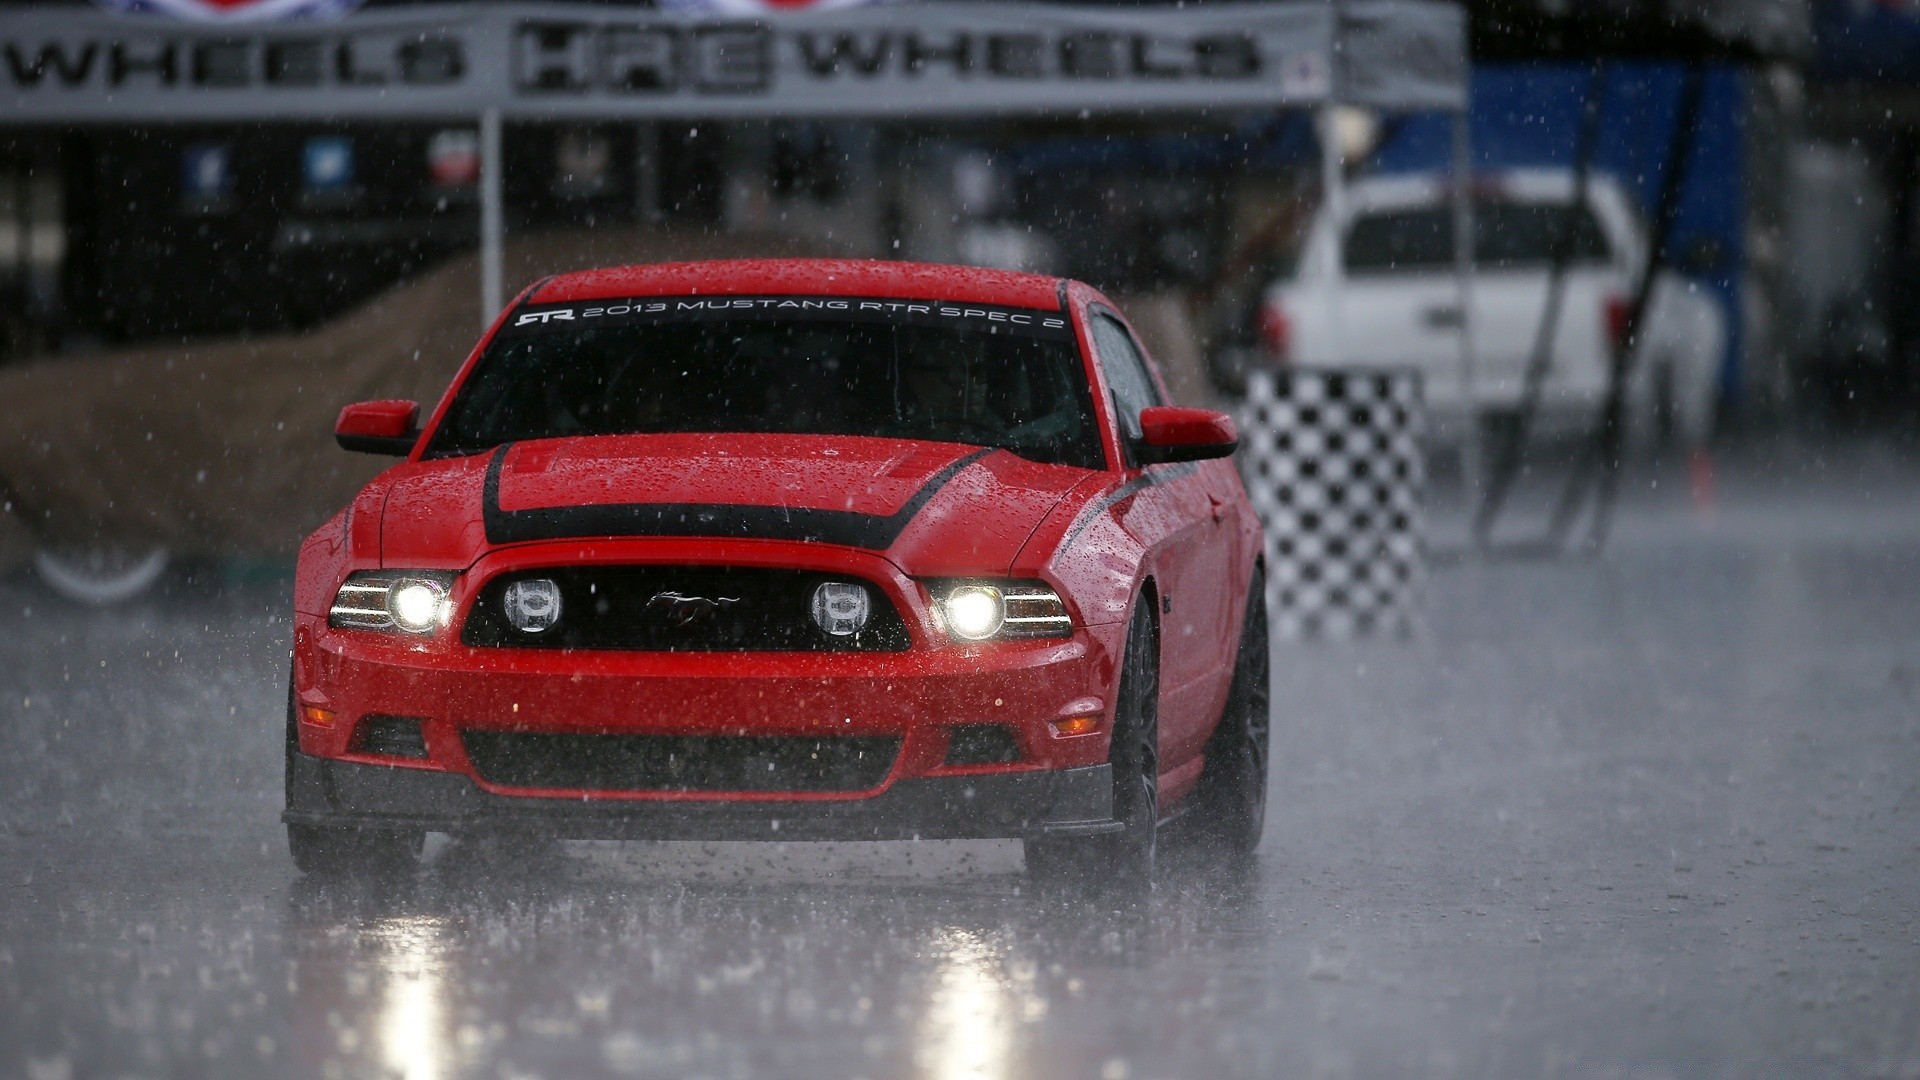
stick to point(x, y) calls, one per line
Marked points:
point(1126, 370)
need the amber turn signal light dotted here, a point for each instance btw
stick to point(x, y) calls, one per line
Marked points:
point(317, 716)
point(1074, 725)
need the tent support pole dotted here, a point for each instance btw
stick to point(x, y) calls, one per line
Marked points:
point(492, 217)
point(646, 170)
point(1333, 191)
point(1473, 453)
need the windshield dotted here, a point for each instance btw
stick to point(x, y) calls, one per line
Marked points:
point(1507, 235)
point(986, 376)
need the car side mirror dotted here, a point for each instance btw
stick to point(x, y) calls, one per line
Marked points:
point(379, 427)
point(1169, 433)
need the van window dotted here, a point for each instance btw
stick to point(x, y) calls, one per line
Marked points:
point(1507, 236)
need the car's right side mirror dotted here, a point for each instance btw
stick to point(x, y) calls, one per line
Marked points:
point(1171, 433)
point(379, 427)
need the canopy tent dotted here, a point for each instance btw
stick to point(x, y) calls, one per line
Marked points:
point(506, 61)
point(547, 61)
point(499, 62)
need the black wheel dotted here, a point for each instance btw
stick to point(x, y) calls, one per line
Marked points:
point(335, 850)
point(1120, 861)
point(1231, 799)
point(292, 745)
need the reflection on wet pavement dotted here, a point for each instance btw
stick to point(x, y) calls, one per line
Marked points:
point(878, 959)
point(831, 959)
point(1653, 814)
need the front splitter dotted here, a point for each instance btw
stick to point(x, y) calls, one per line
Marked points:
point(1043, 802)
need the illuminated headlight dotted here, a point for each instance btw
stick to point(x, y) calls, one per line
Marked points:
point(841, 608)
point(414, 601)
point(532, 605)
point(975, 611)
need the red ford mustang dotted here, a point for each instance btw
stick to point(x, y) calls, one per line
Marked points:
point(787, 550)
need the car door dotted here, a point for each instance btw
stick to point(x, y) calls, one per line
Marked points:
point(1172, 516)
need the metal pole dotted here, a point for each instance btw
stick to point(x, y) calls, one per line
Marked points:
point(1333, 190)
point(493, 226)
point(1610, 438)
point(21, 181)
point(1506, 467)
point(1473, 453)
point(646, 168)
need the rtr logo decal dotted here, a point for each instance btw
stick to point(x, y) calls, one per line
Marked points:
point(236, 11)
point(564, 315)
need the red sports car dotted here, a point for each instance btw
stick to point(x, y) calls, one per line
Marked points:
point(787, 550)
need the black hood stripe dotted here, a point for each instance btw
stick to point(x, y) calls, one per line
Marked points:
point(872, 532)
point(1154, 474)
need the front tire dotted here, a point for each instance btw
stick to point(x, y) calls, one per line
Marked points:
point(334, 851)
point(1122, 861)
point(1231, 801)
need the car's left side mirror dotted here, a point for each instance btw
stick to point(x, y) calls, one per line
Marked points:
point(1170, 433)
point(379, 427)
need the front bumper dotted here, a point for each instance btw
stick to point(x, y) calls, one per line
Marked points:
point(346, 682)
point(1035, 802)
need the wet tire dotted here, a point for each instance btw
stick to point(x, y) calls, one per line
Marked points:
point(334, 851)
point(1120, 862)
point(1231, 800)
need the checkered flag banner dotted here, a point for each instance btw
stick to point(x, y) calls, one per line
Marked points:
point(1332, 463)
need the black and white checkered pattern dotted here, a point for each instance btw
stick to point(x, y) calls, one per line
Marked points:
point(1333, 465)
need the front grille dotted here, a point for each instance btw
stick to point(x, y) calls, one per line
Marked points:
point(394, 736)
point(681, 762)
point(684, 609)
point(981, 744)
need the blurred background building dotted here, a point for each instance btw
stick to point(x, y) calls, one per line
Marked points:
point(1798, 211)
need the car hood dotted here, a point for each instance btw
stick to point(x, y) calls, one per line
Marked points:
point(934, 508)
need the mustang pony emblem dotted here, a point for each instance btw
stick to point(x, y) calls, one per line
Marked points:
point(683, 610)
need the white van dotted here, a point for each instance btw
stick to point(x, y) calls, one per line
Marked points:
point(1400, 306)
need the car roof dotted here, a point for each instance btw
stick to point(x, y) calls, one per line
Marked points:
point(806, 277)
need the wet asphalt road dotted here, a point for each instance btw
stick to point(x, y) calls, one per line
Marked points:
point(1656, 814)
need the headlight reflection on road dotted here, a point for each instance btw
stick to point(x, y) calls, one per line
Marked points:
point(412, 1019)
point(969, 1023)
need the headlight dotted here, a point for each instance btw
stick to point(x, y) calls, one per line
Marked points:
point(416, 605)
point(975, 612)
point(978, 611)
point(414, 601)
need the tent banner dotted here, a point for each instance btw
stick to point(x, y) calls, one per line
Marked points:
point(1402, 56)
point(598, 61)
